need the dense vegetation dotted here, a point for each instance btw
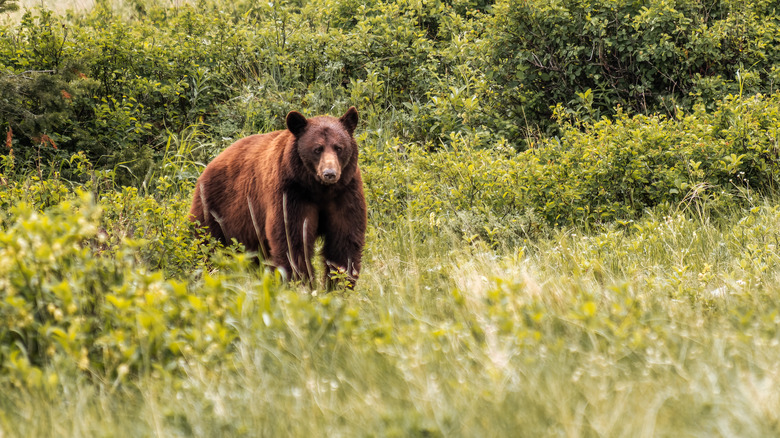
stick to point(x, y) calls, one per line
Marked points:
point(573, 220)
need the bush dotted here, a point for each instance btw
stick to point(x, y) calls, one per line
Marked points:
point(594, 173)
point(115, 86)
point(95, 283)
point(592, 56)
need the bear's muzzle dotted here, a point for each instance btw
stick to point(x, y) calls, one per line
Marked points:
point(329, 169)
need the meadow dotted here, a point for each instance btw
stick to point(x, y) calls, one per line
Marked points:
point(546, 255)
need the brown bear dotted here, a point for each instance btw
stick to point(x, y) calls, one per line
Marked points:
point(277, 192)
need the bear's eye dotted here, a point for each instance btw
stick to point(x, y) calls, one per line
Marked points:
point(338, 149)
point(318, 150)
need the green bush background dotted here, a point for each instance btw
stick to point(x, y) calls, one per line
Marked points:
point(573, 224)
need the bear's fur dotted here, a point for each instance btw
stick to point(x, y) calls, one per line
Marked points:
point(277, 192)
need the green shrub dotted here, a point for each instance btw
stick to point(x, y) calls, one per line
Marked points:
point(594, 173)
point(592, 56)
point(85, 282)
point(114, 85)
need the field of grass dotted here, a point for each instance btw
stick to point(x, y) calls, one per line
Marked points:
point(667, 326)
point(618, 279)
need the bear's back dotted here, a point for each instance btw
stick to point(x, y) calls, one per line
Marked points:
point(247, 168)
point(241, 159)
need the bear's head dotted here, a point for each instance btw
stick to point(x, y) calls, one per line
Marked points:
point(325, 144)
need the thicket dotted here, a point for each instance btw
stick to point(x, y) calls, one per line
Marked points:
point(114, 85)
point(645, 57)
point(612, 171)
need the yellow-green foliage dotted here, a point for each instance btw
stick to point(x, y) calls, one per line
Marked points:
point(114, 315)
point(673, 316)
point(610, 171)
point(72, 289)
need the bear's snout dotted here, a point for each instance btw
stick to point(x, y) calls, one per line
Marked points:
point(330, 175)
point(329, 170)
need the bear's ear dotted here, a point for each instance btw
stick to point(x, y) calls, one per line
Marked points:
point(350, 119)
point(296, 123)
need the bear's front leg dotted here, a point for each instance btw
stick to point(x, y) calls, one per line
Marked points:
point(292, 231)
point(344, 231)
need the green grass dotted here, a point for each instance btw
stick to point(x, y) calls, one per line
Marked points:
point(665, 327)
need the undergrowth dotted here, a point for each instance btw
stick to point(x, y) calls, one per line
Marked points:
point(114, 317)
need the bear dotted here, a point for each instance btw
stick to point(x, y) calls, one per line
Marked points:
point(276, 193)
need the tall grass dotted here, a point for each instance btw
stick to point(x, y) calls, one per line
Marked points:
point(665, 327)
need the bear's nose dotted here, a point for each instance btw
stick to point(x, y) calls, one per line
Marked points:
point(329, 175)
